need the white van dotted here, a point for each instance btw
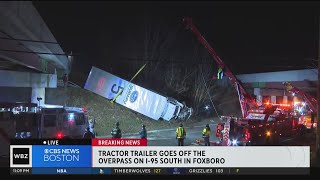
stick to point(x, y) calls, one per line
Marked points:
point(26, 120)
point(62, 122)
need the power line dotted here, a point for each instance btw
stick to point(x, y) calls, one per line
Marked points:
point(31, 52)
point(14, 39)
point(131, 59)
point(36, 41)
point(161, 61)
point(11, 38)
point(122, 59)
point(205, 84)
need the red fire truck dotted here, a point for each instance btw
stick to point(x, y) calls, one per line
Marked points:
point(305, 110)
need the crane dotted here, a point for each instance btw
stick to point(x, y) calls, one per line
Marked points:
point(310, 101)
point(245, 98)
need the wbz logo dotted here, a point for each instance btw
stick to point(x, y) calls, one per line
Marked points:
point(20, 156)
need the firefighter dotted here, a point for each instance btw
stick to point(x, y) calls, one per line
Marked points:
point(88, 134)
point(206, 135)
point(232, 130)
point(181, 135)
point(91, 125)
point(219, 131)
point(65, 80)
point(220, 73)
point(116, 132)
point(143, 132)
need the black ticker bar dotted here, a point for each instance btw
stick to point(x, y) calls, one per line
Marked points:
point(211, 171)
point(50, 142)
point(270, 171)
point(167, 171)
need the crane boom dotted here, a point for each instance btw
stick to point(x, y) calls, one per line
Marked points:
point(311, 101)
point(245, 98)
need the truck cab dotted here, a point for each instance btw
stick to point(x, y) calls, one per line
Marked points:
point(176, 110)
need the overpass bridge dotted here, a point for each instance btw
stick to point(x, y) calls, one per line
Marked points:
point(30, 56)
point(268, 85)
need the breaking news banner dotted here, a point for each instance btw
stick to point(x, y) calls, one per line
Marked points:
point(133, 156)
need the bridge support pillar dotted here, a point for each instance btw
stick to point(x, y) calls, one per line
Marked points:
point(273, 99)
point(38, 92)
point(257, 93)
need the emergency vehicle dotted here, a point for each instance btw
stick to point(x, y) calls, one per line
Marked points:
point(304, 110)
point(259, 124)
point(27, 120)
point(62, 122)
point(262, 126)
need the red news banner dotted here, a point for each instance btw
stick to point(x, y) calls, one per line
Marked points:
point(119, 142)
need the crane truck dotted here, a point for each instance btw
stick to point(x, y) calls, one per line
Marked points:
point(258, 124)
point(305, 110)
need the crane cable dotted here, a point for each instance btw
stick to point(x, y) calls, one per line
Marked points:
point(205, 84)
point(112, 101)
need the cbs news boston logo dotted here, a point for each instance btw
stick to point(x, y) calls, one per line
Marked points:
point(20, 156)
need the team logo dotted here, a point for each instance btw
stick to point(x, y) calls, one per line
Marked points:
point(176, 171)
point(134, 96)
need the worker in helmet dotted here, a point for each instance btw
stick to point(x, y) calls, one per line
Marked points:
point(116, 132)
point(206, 135)
point(65, 80)
point(220, 73)
point(181, 135)
point(88, 134)
point(91, 125)
point(143, 132)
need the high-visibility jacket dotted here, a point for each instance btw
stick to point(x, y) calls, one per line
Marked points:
point(180, 132)
point(206, 132)
point(220, 73)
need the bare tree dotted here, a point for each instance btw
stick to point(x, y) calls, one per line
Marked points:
point(203, 87)
point(177, 79)
point(158, 41)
